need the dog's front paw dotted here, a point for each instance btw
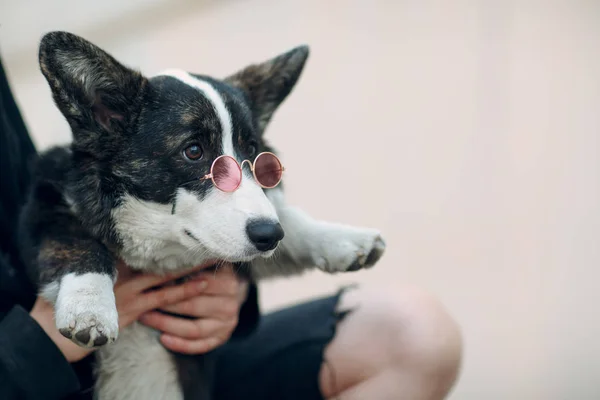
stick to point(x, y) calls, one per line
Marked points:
point(88, 328)
point(367, 256)
point(345, 248)
point(87, 316)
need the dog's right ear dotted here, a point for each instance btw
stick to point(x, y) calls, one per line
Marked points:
point(268, 84)
point(94, 91)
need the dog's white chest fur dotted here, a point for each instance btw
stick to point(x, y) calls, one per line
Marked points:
point(137, 366)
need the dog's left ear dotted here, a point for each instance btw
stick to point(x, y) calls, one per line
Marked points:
point(268, 84)
point(94, 91)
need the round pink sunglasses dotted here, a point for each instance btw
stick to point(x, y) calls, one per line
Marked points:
point(226, 172)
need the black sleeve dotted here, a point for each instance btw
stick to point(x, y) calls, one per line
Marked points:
point(16, 153)
point(31, 366)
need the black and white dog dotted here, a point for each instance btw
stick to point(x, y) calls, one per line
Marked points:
point(117, 192)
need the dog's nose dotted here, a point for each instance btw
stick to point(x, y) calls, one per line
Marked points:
point(264, 234)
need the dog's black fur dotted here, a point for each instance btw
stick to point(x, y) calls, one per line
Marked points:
point(130, 134)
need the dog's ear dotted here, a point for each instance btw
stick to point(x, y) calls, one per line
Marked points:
point(94, 91)
point(268, 84)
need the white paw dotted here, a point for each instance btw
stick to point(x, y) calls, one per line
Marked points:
point(345, 248)
point(86, 311)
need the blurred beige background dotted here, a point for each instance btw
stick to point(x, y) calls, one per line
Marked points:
point(468, 132)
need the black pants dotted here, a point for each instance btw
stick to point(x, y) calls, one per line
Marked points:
point(282, 359)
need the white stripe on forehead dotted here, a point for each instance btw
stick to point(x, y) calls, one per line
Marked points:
point(213, 96)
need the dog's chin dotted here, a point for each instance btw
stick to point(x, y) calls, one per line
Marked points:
point(215, 251)
point(268, 254)
point(247, 256)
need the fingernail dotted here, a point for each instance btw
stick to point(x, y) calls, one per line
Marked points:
point(201, 285)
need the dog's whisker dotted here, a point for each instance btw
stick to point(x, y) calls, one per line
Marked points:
point(217, 265)
point(239, 267)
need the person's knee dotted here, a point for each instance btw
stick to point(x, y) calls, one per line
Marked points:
point(417, 332)
point(427, 335)
point(428, 339)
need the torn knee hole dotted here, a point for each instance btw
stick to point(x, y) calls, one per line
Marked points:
point(348, 301)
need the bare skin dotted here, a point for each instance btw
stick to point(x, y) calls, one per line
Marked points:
point(405, 348)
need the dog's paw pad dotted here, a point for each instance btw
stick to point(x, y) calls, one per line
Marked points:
point(86, 331)
point(84, 336)
point(376, 252)
point(66, 332)
point(368, 258)
point(102, 340)
point(85, 327)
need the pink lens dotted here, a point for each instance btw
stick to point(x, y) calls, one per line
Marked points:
point(226, 173)
point(268, 170)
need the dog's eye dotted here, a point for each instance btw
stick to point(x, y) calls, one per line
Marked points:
point(193, 152)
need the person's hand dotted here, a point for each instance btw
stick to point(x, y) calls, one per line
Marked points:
point(214, 314)
point(133, 298)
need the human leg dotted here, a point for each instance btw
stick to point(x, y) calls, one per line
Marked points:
point(398, 346)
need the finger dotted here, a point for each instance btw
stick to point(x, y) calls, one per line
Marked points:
point(137, 282)
point(221, 284)
point(221, 287)
point(186, 328)
point(192, 347)
point(223, 278)
point(168, 295)
point(217, 307)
